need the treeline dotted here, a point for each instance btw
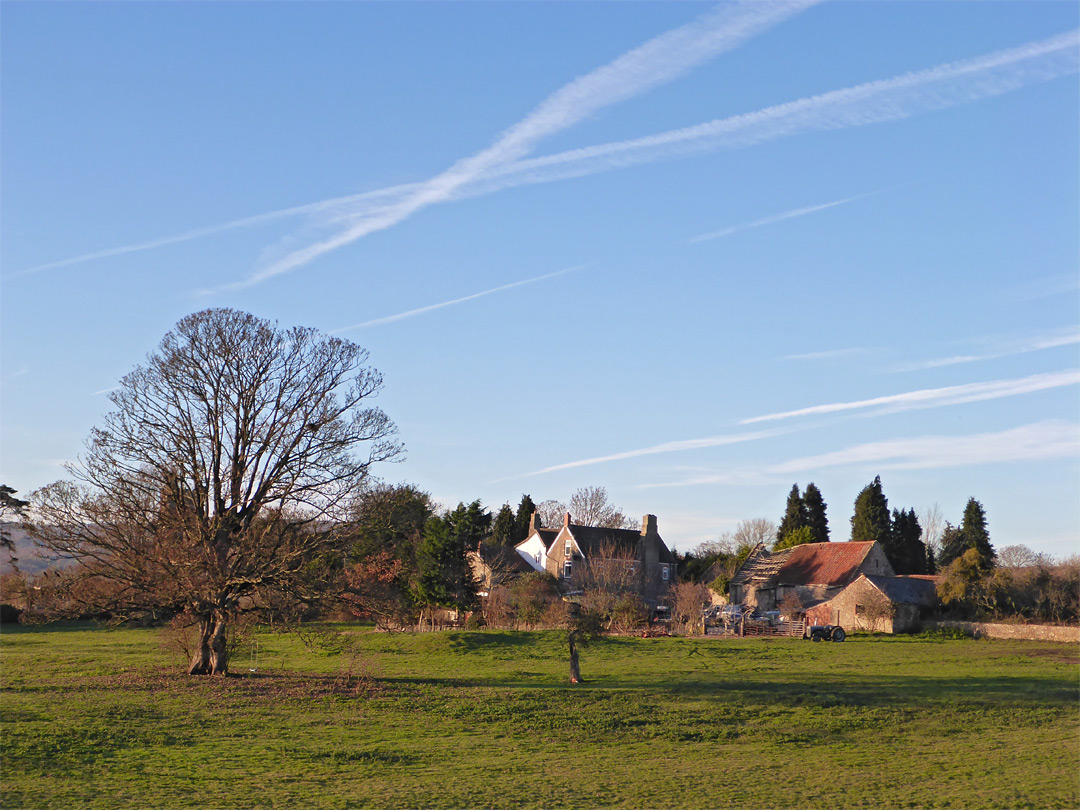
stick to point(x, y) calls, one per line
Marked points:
point(976, 583)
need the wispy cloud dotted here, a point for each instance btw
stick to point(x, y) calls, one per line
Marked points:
point(1069, 336)
point(104, 391)
point(934, 397)
point(412, 313)
point(758, 223)
point(1040, 440)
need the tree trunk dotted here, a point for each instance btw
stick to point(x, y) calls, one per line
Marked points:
point(210, 656)
point(219, 664)
point(575, 671)
point(200, 660)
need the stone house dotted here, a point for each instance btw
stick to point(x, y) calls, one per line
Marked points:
point(810, 573)
point(571, 552)
point(879, 604)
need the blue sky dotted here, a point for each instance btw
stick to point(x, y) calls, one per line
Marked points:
point(694, 253)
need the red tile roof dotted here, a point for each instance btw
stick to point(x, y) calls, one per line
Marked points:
point(830, 564)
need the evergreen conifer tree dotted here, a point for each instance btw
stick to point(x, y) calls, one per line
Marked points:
point(871, 519)
point(815, 514)
point(444, 577)
point(794, 515)
point(522, 518)
point(504, 530)
point(976, 536)
point(952, 545)
point(906, 552)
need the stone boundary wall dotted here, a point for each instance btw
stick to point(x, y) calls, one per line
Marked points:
point(1030, 632)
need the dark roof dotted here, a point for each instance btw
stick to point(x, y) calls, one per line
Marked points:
point(830, 564)
point(910, 590)
point(504, 558)
point(547, 536)
point(593, 539)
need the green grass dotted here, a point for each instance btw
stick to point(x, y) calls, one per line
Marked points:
point(96, 718)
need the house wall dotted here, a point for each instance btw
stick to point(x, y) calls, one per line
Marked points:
point(556, 557)
point(533, 551)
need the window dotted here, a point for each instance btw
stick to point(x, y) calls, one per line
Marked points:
point(860, 609)
point(665, 573)
point(569, 548)
point(566, 569)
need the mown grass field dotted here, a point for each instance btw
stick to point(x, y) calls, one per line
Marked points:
point(98, 718)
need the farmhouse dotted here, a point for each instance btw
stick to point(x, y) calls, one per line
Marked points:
point(569, 552)
point(811, 573)
point(878, 604)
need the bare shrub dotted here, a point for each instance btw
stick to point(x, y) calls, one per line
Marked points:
point(688, 602)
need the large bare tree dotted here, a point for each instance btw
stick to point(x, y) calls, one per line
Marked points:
point(214, 479)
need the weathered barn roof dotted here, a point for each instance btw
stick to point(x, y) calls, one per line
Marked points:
point(831, 564)
point(760, 566)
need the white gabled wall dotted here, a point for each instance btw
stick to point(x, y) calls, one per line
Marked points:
point(533, 551)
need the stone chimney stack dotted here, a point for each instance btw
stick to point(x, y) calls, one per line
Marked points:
point(534, 523)
point(648, 524)
point(566, 520)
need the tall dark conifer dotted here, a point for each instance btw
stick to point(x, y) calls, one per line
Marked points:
point(522, 519)
point(952, 545)
point(504, 530)
point(906, 551)
point(871, 519)
point(444, 577)
point(794, 515)
point(976, 536)
point(815, 513)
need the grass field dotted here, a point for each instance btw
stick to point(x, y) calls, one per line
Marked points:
point(97, 718)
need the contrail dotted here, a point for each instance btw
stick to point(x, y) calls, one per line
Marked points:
point(421, 310)
point(666, 447)
point(892, 99)
point(660, 60)
point(372, 200)
point(900, 97)
point(798, 212)
point(936, 397)
point(1062, 337)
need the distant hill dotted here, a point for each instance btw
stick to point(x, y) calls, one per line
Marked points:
point(25, 552)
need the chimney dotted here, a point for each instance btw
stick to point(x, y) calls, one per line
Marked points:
point(648, 524)
point(566, 520)
point(534, 523)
